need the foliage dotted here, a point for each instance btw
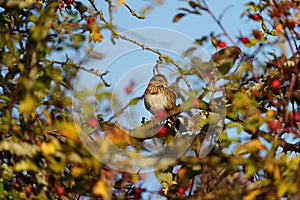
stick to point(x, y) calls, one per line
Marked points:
point(42, 155)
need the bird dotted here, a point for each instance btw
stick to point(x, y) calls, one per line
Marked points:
point(158, 97)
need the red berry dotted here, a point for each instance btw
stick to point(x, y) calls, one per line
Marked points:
point(275, 84)
point(60, 190)
point(195, 103)
point(221, 44)
point(136, 192)
point(257, 34)
point(107, 174)
point(128, 89)
point(274, 125)
point(39, 142)
point(90, 20)
point(291, 23)
point(255, 17)
point(93, 122)
point(49, 180)
point(68, 1)
point(296, 117)
point(255, 93)
point(61, 4)
point(163, 131)
point(161, 114)
point(244, 39)
point(180, 190)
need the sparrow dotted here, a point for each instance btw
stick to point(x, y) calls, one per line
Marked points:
point(158, 96)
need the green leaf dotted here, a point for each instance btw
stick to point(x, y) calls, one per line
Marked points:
point(27, 165)
point(5, 17)
point(1, 188)
point(252, 6)
point(27, 104)
point(19, 148)
point(39, 32)
point(4, 97)
point(225, 58)
point(164, 176)
point(253, 122)
point(251, 42)
point(78, 38)
point(236, 125)
point(264, 27)
point(6, 172)
point(189, 51)
point(273, 33)
point(134, 101)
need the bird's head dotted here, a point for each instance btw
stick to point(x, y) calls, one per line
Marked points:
point(159, 80)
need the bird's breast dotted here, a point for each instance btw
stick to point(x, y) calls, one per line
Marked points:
point(156, 102)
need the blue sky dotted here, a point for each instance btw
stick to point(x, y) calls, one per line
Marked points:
point(161, 16)
point(192, 25)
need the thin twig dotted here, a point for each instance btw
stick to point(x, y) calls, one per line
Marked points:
point(191, 188)
point(124, 108)
point(99, 12)
point(110, 10)
point(161, 55)
point(133, 12)
point(91, 71)
point(95, 72)
point(144, 47)
point(218, 22)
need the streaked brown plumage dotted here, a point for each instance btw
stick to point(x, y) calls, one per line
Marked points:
point(158, 95)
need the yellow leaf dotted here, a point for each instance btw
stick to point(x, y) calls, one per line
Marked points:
point(276, 172)
point(270, 115)
point(248, 147)
point(77, 171)
point(283, 188)
point(134, 178)
point(58, 78)
point(26, 164)
point(21, 67)
point(101, 188)
point(47, 117)
point(252, 195)
point(48, 148)
point(173, 183)
point(69, 130)
point(95, 35)
point(165, 190)
point(26, 104)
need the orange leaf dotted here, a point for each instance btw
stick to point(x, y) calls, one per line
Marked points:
point(117, 136)
point(178, 17)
